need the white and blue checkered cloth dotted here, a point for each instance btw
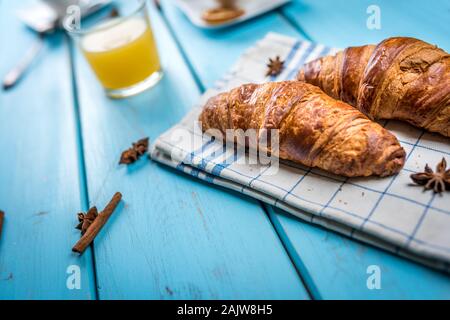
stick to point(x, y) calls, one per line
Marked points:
point(386, 212)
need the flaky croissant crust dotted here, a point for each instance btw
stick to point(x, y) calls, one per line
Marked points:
point(314, 129)
point(400, 78)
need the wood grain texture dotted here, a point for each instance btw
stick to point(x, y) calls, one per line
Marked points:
point(39, 181)
point(215, 51)
point(335, 267)
point(343, 23)
point(332, 265)
point(172, 236)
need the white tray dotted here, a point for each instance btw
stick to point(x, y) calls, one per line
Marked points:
point(195, 8)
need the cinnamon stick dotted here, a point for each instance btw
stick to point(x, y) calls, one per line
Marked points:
point(2, 217)
point(97, 224)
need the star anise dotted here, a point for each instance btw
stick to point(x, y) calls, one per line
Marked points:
point(128, 156)
point(438, 181)
point(132, 154)
point(274, 66)
point(85, 219)
point(114, 13)
point(141, 146)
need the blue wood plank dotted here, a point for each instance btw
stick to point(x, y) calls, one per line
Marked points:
point(332, 266)
point(342, 23)
point(336, 267)
point(211, 53)
point(39, 172)
point(173, 237)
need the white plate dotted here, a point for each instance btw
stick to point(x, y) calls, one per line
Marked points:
point(195, 8)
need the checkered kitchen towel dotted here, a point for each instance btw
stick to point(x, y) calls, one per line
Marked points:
point(386, 212)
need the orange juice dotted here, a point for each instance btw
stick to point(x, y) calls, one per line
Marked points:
point(122, 54)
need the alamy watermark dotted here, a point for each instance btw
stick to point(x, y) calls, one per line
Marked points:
point(236, 146)
point(73, 281)
point(373, 22)
point(374, 279)
point(72, 20)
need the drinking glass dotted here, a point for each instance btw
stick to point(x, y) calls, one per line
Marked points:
point(121, 50)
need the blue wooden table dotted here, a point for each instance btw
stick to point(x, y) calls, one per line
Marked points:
point(173, 237)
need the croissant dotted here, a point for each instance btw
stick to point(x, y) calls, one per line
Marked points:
point(313, 129)
point(400, 78)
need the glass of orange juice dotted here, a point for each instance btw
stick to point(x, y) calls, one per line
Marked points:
point(120, 49)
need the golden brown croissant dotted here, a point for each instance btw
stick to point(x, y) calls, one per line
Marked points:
point(313, 128)
point(400, 78)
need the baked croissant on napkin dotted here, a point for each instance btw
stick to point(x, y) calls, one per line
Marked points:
point(400, 78)
point(314, 129)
